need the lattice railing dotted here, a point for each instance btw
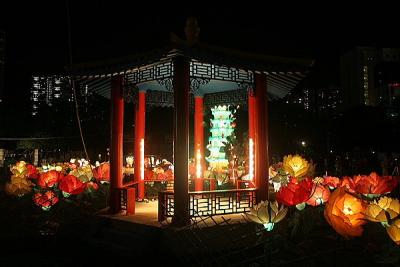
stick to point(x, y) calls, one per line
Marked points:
point(124, 199)
point(128, 197)
point(209, 203)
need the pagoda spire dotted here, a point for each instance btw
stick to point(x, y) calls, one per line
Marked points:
point(192, 30)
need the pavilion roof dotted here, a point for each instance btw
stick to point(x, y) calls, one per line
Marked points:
point(283, 73)
point(200, 51)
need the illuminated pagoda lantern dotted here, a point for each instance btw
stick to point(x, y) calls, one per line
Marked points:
point(187, 73)
point(221, 129)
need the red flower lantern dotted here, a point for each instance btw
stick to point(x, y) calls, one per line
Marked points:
point(295, 192)
point(374, 184)
point(48, 179)
point(169, 175)
point(32, 173)
point(348, 184)
point(92, 186)
point(319, 196)
point(71, 184)
point(331, 182)
point(149, 174)
point(45, 200)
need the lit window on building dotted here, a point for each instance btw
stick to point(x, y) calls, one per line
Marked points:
point(365, 85)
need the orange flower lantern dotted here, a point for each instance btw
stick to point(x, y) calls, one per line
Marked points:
point(102, 172)
point(379, 210)
point(48, 179)
point(345, 213)
point(319, 196)
point(45, 200)
point(394, 231)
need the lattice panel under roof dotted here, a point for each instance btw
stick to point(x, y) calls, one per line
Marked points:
point(215, 71)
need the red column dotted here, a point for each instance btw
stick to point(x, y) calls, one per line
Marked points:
point(117, 130)
point(181, 83)
point(140, 125)
point(252, 130)
point(199, 142)
point(261, 137)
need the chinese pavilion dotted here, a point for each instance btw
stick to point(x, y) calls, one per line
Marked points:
point(186, 73)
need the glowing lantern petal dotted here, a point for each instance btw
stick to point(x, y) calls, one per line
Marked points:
point(319, 196)
point(19, 168)
point(71, 184)
point(372, 185)
point(378, 210)
point(295, 165)
point(46, 200)
point(102, 172)
point(331, 182)
point(18, 186)
point(48, 179)
point(267, 213)
point(295, 192)
point(345, 213)
point(32, 172)
point(394, 231)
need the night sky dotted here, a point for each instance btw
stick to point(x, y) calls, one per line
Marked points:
point(36, 32)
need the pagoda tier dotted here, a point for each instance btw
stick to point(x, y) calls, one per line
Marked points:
point(221, 129)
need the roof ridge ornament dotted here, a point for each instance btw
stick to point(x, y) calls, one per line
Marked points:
point(192, 30)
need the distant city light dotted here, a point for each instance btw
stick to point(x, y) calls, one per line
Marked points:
point(303, 143)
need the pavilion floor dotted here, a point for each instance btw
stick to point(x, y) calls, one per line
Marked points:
point(146, 214)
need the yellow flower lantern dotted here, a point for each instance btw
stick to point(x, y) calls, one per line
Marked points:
point(19, 168)
point(295, 165)
point(18, 186)
point(84, 173)
point(267, 213)
point(378, 210)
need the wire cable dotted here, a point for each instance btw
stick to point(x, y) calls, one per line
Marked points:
point(71, 81)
